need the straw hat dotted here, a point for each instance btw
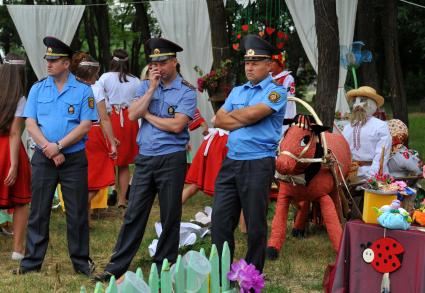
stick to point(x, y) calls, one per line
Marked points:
point(368, 92)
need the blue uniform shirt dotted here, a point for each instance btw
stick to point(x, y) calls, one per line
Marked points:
point(179, 97)
point(258, 140)
point(57, 114)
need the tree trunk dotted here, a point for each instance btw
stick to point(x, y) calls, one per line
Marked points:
point(396, 93)
point(89, 32)
point(219, 37)
point(368, 27)
point(141, 25)
point(328, 63)
point(103, 34)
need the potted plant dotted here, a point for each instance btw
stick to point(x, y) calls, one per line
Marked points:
point(216, 83)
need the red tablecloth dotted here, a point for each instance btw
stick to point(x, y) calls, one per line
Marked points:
point(353, 274)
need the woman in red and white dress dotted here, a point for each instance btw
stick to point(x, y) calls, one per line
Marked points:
point(207, 162)
point(101, 147)
point(15, 173)
point(119, 87)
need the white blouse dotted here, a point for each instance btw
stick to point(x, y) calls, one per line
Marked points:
point(20, 108)
point(116, 92)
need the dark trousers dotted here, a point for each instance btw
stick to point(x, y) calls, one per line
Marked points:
point(243, 185)
point(153, 174)
point(72, 175)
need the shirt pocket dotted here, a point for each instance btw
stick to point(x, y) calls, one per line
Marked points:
point(71, 110)
point(44, 105)
point(154, 106)
point(238, 102)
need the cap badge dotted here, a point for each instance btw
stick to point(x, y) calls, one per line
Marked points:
point(250, 52)
point(71, 109)
point(49, 50)
point(156, 51)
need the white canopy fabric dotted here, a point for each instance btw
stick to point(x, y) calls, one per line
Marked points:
point(302, 12)
point(187, 23)
point(346, 13)
point(34, 22)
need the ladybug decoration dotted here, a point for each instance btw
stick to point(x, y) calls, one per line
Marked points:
point(385, 255)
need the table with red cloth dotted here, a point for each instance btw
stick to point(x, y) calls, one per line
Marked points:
point(353, 274)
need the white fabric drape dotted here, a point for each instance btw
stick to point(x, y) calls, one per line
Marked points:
point(302, 12)
point(34, 22)
point(346, 13)
point(187, 23)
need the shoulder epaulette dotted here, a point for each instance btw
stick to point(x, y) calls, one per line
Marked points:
point(82, 81)
point(188, 84)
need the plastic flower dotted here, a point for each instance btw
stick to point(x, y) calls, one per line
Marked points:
point(401, 184)
point(247, 276)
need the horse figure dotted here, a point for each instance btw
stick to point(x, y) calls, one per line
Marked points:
point(309, 176)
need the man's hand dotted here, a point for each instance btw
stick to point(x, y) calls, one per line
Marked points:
point(154, 76)
point(59, 159)
point(50, 150)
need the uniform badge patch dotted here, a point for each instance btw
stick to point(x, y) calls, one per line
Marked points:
point(91, 103)
point(274, 97)
point(71, 109)
point(171, 110)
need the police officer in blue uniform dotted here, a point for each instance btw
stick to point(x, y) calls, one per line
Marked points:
point(254, 114)
point(166, 103)
point(59, 111)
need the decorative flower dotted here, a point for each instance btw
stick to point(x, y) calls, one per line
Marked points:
point(210, 81)
point(247, 276)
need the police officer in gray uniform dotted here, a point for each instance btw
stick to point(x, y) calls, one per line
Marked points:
point(254, 114)
point(59, 112)
point(166, 103)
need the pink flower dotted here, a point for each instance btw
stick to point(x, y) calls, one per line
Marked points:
point(423, 171)
point(247, 276)
point(200, 84)
point(401, 184)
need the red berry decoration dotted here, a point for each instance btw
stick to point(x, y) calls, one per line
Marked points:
point(280, 35)
point(238, 36)
point(280, 45)
point(245, 27)
point(235, 46)
point(270, 30)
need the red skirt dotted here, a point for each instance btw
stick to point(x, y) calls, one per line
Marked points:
point(126, 134)
point(101, 167)
point(20, 192)
point(204, 169)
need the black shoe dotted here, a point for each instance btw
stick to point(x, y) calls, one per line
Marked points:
point(103, 277)
point(112, 198)
point(88, 271)
point(23, 271)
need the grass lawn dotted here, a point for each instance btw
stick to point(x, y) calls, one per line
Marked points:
point(300, 267)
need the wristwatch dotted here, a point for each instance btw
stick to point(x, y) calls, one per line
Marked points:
point(60, 147)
